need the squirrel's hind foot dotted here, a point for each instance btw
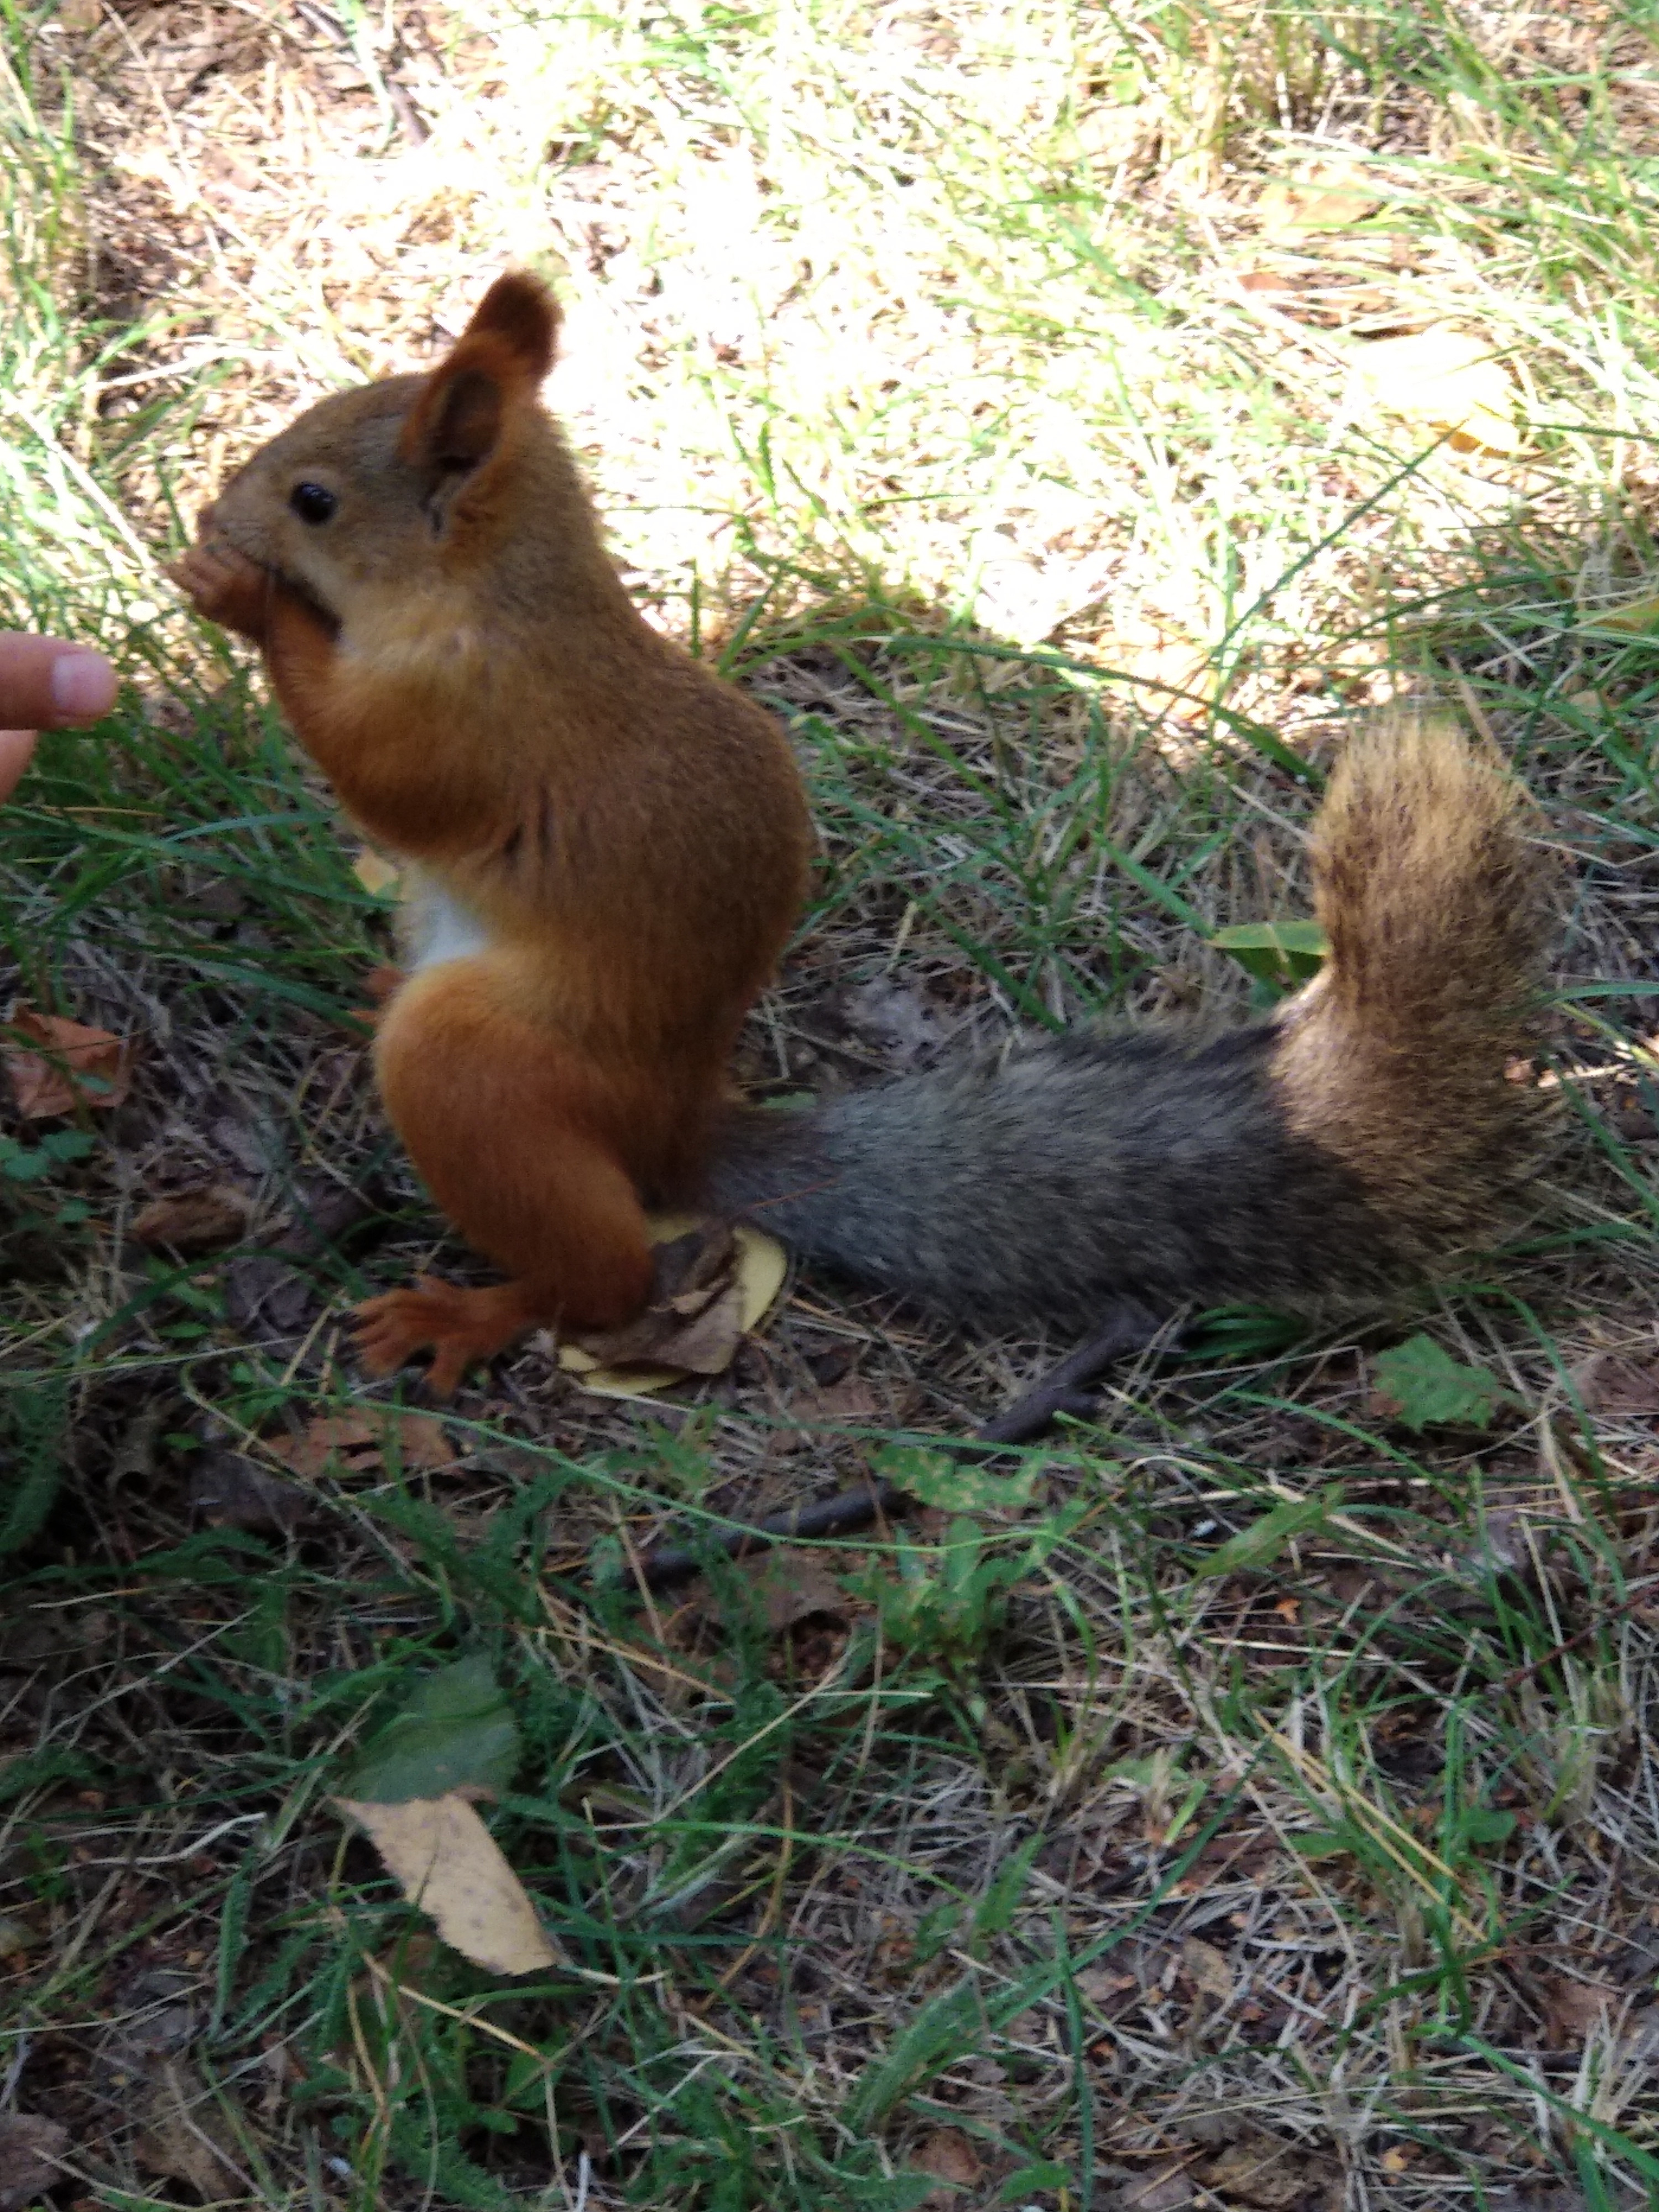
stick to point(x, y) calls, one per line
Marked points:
point(460, 1328)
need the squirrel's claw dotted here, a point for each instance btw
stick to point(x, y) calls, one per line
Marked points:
point(460, 1328)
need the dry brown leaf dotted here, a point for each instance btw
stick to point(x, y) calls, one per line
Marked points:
point(422, 1441)
point(76, 1067)
point(693, 1275)
point(853, 1399)
point(182, 2135)
point(714, 1285)
point(1573, 2010)
point(1207, 1968)
point(1258, 2171)
point(447, 1862)
point(1111, 135)
point(1503, 1545)
point(29, 2151)
point(362, 1442)
point(1445, 379)
point(1624, 1389)
point(1264, 280)
point(347, 1437)
point(1100, 1985)
point(795, 1587)
point(950, 2156)
point(194, 1220)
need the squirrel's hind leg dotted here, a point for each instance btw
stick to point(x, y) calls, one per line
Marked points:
point(516, 1139)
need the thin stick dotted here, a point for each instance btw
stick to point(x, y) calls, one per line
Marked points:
point(1064, 1389)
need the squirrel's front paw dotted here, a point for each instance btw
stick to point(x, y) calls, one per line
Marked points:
point(224, 585)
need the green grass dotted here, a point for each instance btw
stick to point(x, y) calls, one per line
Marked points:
point(1272, 1792)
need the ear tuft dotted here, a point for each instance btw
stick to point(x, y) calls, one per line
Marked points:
point(520, 312)
point(463, 407)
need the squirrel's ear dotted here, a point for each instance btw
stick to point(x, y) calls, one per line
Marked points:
point(520, 312)
point(499, 359)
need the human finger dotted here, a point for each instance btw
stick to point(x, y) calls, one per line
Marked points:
point(48, 684)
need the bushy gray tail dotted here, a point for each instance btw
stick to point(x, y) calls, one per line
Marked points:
point(1364, 1131)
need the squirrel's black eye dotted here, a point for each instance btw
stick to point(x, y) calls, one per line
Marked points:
point(312, 502)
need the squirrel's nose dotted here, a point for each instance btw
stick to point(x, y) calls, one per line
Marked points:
point(206, 520)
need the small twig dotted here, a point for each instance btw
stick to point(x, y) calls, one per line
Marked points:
point(1067, 1388)
point(830, 1516)
point(1064, 1389)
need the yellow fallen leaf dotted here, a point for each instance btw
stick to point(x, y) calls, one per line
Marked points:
point(445, 1861)
point(1330, 200)
point(1447, 379)
point(761, 1265)
point(377, 877)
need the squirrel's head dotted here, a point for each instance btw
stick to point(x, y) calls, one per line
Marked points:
point(408, 479)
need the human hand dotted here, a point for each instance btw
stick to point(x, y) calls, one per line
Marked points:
point(46, 684)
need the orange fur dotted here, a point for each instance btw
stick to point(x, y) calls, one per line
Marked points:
point(623, 833)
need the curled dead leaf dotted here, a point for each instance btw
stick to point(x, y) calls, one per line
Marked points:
point(1175, 675)
point(714, 1285)
point(76, 1067)
point(190, 1221)
point(897, 1019)
point(1166, 2190)
point(446, 1862)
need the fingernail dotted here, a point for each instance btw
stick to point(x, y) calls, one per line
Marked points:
point(82, 686)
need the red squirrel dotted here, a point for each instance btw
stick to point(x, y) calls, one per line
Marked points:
point(603, 845)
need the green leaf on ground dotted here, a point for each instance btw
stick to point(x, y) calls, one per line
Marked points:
point(1285, 953)
point(457, 1732)
point(933, 1477)
point(1260, 1544)
point(1420, 1383)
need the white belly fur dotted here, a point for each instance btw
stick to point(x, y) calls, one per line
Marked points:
point(437, 927)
